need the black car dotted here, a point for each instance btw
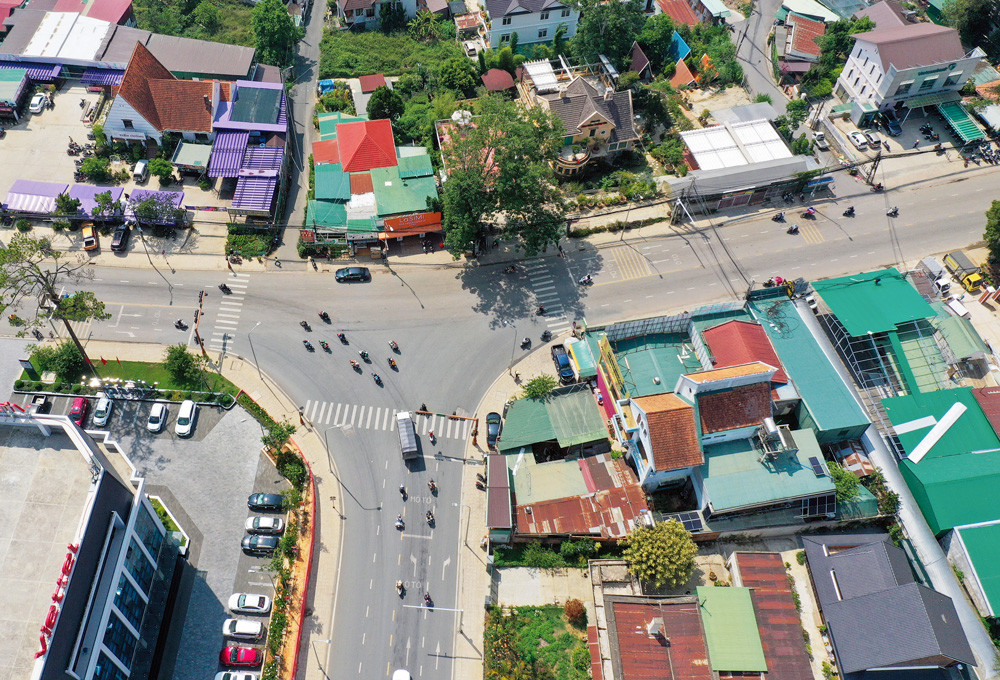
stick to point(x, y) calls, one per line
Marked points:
point(265, 502)
point(561, 359)
point(348, 274)
point(493, 427)
point(119, 241)
point(890, 123)
point(260, 545)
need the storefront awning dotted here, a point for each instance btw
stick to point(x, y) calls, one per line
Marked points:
point(102, 76)
point(37, 72)
point(38, 198)
point(254, 193)
point(227, 154)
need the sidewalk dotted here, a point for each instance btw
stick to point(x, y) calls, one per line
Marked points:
point(474, 578)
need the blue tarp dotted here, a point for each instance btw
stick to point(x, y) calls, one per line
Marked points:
point(324, 86)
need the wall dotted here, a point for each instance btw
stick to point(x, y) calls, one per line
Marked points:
point(122, 110)
point(527, 26)
point(957, 556)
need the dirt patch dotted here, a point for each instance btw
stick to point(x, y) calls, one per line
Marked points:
point(713, 100)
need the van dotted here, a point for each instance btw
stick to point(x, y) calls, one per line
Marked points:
point(140, 173)
point(407, 435)
point(185, 419)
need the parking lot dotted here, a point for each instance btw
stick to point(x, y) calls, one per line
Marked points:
point(204, 480)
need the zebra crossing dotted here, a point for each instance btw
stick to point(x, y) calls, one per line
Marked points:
point(543, 283)
point(383, 418)
point(227, 317)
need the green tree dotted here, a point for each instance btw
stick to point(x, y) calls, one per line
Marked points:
point(627, 80)
point(183, 366)
point(655, 39)
point(458, 74)
point(992, 235)
point(845, 482)
point(662, 554)
point(64, 359)
point(385, 103)
point(105, 207)
point(500, 167)
point(66, 205)
point(97, 169)
point(608, 28)
point(278, 435)
point(514, 39)
point(559, 40)
point(424, 26)
point(156, 209)
point(32, 272)
point(274, 33)
point(391, 17)
point(505, 59)
point(162, 168)
point(481, 60)
point(539, 387)
point(206, 15)
point(973, 19)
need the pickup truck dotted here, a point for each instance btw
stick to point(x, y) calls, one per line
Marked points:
point(561, 359)
point(407, 435)
point(962, 268)
point(821, 142)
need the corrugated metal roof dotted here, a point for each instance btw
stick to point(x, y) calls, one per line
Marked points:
point(568, 415)
point(873, 301)
point(982, 545)
point(580, 352)
point(371, 83)
point(499, 511)
point(361, 183)
point(636, 655)
point(37, 72)
point(254, 193)
point(739, 342)
point(326, 214)
point(736, 144)
point(326, 151)
point(192, 154)
point(33, 197)
point(730, 629)
point(962, 338)
point(415, 166)
point(87, 192)
point(102, 76)
point(395, 195)
point(227, 154)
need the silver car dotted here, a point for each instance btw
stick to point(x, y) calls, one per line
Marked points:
point(858, 140)
point(102, 412)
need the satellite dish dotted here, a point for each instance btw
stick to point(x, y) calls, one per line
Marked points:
point(462, 117)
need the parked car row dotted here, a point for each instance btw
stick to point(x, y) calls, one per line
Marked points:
point(263, 531)
point(184, 426)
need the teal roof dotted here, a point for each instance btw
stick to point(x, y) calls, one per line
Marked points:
point(415, 166)
point(716, 7)
point(535, 482)
point(192, 155)
point(580, 352)
point(326, 214)
point(360, 225)
point(332, 183)
point(395, 195)
point(830, 402)
point(955, 490)
point(10, 82)
point(731, 629)
point(568, 415)
point(329, 121)
point(914, 415)
point(864, 306)
point(736, 478)
point(982, 545)
point(651, 364)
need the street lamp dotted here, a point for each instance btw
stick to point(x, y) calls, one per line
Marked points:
point(316, 652)
point(254, 353)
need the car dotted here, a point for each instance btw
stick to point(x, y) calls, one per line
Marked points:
point(265, 525)
point(858, 140)
point(561, 359)
point(265, 502)
point(890, 123)
point(240, 656)
point(260, 545)
point(78, 412)
point(873, 138)
point(493, 426)
point(249, 603)
point(348, 274)
point(119, 240)
point(821, 143)
point(229, 675)
point(401, 674)
point(37, 104)
point(102, 412)
point(157, 417)
point(89, 234)
point(140, 172)
point(185, 418)
point(242, 629)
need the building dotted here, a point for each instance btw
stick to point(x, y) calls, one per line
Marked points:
point(79, 521)
point(364, 14)
point(114, 11)
point(598, 121)
point(880, 620)
point(532, 20)
point(797, 46)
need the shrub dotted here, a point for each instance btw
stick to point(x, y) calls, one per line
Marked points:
point(538, 556)
point(22, 225)
point(254, 409)
point(77, 389)
point(60, 225)
point(18, 384)
point(575, 613)
point(276, 631)
point(292, 468)
point(63, 359)
point(800, 557)
point(205, 184)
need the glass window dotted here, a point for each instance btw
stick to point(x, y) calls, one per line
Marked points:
point(903, 88)
point(952, 79)
point(139, 566)
point(148, 531)
point(506, 21)
point(120, 640)
point(564, 13)
point(107, 670)
point(545, 16)
point(129, 602)
point(928, 84)
point(543, 32)
point(504, 39)
point(128, 124)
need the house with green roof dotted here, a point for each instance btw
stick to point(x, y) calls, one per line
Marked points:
point(731, 633)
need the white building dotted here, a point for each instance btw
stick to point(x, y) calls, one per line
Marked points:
point(533, 20)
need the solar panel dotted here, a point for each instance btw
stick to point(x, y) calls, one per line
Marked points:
point(816, 466)
point(690, 520)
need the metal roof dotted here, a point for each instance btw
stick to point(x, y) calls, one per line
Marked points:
point(192, 155)
point(254, 193)
point(256, 105)
point(982, 545)
point(87, 192)
point(332, 183)
point(873, 302)
point(227, 153)
point(11, 83)
point(735, 144)
point(568, 415)
point(395, 195)
point(730, 629)
point(326, 214)
point(37, 72)
point(636, 655)
point(914, 415)
point(580, 352)
point(33, 197)
point(102, 76)
point(962, 338)
point(499, 511)
point(542, 76)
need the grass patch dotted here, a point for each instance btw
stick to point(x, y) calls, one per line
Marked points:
point(571, 554)
point(151, 373)
point(230, 23)
point(167, 520)
point(349, 55)
point(537, 638)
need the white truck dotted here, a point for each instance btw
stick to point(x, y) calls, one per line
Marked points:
point(407, 435)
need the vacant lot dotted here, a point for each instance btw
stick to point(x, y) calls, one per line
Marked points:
point(349, 55)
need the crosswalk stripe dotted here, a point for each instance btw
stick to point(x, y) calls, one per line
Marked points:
point(385, 421)
point(323, 415)
point(336, 418)
point(354, 413)
point(339, 414)
point(392, 422)
point(368, 423)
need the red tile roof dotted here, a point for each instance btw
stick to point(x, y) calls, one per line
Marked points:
point(672, 432)
point(497, 80)
point(361, 183)
point(683, 75)
point(777, 620)
point(366, 144)
point(372, 83)
point(739, 407)
point(326, 151)
point(988, 399)
point(743, 342)
point(680, 11)
point(142, 68)
point(641, 657)
point(804, 33)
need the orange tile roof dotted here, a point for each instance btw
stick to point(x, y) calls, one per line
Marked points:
point(371, 83)
point(752, 368)
point(804, 33)
point(366, 144)
point(731, 409)
point(680, 11)
point(683, 75)
point(740, 342)
point(672, 432)
point(142, 68)
point(326, 151)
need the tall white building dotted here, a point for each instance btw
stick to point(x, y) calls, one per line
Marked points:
point(533, 20)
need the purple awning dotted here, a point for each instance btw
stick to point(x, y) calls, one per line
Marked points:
point(102, 76)
point(87, 192)
point(33, 197)
point(227, 154)
point(254, 193)
point(263, 158)
point(36, 71)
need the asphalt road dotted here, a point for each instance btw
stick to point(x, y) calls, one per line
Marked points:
point(753, 52)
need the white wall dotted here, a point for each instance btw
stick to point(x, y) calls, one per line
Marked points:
point(527, 26)
point(121, 111)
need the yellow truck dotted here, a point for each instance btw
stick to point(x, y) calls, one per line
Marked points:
point(961, 267)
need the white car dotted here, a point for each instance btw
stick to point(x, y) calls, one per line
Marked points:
point(249, 603)
point(265, 524)
point(858, 140)
point(230, 675)
point(102, 412)
point(37, 104)
point(242, 629)
point(821, 142)
point(401, 674)
point(157, 417)
point(185, 419)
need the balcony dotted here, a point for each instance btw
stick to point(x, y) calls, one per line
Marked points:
point(569, 161)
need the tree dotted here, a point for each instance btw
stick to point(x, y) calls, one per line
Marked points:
point(662, 554)
point(391, 17)
point(608, 28)
point(559, 40)
point(32, 272)
point(385, 103)
point(105, 207)
point(845, 482)
point(183, 366)
point(539, 387)
point(575, 613)
point(459, 74)
point(156, 209)
point(656, 38)
point(992, 235)
point(481, 60)
point(973, 19)
point(424, 26)
point(206, 15)
point(63, 359)
point(274, 33)
point(499, 170)
point(278, 435)
point(514, 39)
point(162, 168)
point(97, 169)
point(66, 206)
point(505, 59)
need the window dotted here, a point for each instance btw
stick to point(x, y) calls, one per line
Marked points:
point(107, 670)
point(928, 84)
point(506, 21)
point(128, 124)
point(139, 566)
point(148, 531)
point(504, 39)
point(542, 32)
point(850, 74)
point(903, 89)
point(129, 602)
point(816, 507)
point(544, 17)
point(952, 79)
point(120, 640)
point(593, 132)
point(564, 13)
point(370, 12)
point(862, 90)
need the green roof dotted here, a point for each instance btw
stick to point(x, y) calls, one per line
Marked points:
point(962, 338)
point(415, 166)
point(830, 402)
point(650, 364)
point(864, 306)
point(956, 490)
point(579, 352)
point(982, 544)
point(10, 82)
point(735, 477)
point(569, 415)
point(332, 183)
point(731, 629)
point(360, 225)
point(914, 415)
point(535, 482)
point(326, 214)
point(329, 121)
point(395, 195)
point(192, 155)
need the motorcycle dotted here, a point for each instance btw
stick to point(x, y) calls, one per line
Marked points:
point(430, 435)
point(526, 343)
point(546, 335)
point(586, 280)
point(849, 212)
point(364, 356)
point(510, 270)
point(392, 364)
point(540, 311)
point(355, 365)
point(794, 229)
point(305, 325)
point(342, 338)
point(180, 325)
point(308, 346)
point(400, 590)
point(432, 486)
point(893, 212)
point(780, 217)
point(225, 289)
point(429, 517)
point(427, 600)
point(324, 316)
point(324, 345)
point(378, 379)
point(809, 212)
point(399, 522)
point(394, 346)
point(877, 188)
point(402, 491)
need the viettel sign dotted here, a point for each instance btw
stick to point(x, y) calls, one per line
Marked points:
point(57, 597)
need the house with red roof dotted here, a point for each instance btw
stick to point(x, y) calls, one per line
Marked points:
point(797, 43)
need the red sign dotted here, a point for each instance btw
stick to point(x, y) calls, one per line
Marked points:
point(411, 221)
point(52, 616)
point(307, 236)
